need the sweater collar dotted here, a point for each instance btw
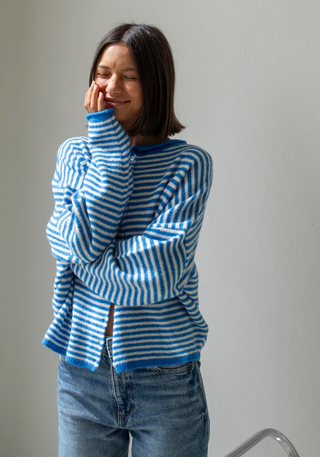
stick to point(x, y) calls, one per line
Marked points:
point(144, 148)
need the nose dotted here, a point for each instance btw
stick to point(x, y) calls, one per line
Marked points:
point(114, 86)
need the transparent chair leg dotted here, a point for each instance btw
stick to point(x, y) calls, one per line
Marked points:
point(257, 437)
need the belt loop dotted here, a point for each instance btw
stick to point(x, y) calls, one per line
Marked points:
point(109, 345)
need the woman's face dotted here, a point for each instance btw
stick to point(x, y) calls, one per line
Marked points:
point(118, 79)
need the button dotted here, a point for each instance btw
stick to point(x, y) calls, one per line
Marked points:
point(132, 158)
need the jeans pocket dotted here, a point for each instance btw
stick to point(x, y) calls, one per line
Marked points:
point(176, 369)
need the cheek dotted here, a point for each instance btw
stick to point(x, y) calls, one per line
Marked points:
point(101, 83)
point(135, 92)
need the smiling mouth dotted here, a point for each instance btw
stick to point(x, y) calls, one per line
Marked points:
point(114, 103)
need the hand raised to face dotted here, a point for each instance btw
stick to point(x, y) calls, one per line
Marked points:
point(94, 100)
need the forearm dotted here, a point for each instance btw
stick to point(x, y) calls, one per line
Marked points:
point(138, 277)
point(144, 269)
point(85, 221)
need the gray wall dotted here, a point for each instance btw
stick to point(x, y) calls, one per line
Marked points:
point(248, 90)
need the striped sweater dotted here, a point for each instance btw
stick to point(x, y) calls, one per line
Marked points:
point(124, 230)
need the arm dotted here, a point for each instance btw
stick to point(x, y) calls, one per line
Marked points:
point(156, 265)
point(90, 199)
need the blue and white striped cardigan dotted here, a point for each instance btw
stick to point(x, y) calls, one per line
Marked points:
point(124, 230)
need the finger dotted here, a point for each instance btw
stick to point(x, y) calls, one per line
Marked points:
point(101, 102)
point(94, 99)
point(87, 98)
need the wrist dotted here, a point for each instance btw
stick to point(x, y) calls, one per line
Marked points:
point(100, 116)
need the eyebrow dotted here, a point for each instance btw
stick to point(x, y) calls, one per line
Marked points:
point(123, 69)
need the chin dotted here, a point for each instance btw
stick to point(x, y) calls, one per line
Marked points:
point(125, 124)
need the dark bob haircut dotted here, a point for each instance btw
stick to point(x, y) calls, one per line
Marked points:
point(152, 54)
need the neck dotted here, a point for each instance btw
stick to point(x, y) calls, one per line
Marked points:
point(141, 139)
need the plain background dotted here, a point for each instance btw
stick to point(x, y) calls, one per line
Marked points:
point(248, 91)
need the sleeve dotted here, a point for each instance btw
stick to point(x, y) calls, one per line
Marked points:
point(90, 195)
point(155, 265)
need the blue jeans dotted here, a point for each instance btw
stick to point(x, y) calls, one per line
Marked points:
point(164, 409)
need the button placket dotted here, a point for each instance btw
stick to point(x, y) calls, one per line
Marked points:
point(133, 157)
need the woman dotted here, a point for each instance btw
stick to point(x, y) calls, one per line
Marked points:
point(129, 204)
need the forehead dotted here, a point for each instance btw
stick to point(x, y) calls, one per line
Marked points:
point(116, 55)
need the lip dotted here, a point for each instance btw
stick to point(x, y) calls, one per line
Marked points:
point(114, 102)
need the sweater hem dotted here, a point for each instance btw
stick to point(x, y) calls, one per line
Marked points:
point(72, 360)
point(156, 362)
point(124, 366)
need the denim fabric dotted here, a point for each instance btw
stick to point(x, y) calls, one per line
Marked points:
point(164, 410)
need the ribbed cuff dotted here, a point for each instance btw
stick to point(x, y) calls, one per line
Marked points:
point(100, 116)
